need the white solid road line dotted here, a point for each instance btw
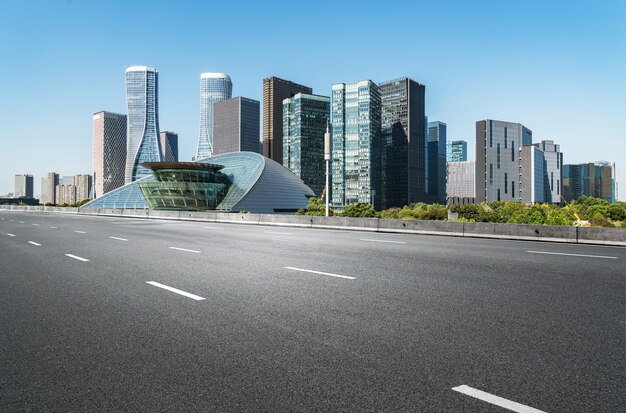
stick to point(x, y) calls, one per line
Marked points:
point(80, 232)
point(119, 239)
point(34, 243)
point(381, 240)
point(572, 255)
point(498, 401)
point(184, 249)
point(10, 235)
point(322, 273)
point(176, 290)
point(76, 257)
point(276, 233)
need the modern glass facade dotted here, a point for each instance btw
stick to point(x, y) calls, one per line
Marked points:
point(456, 151)
point(498, 159)
point(275, 90)
point(257, 184)
point(236, 125)
point(23, 186)
point(305, 118)
point(214, 87)
point(403, 153)
point(142, 94)
point(356, 144)
point(437, 132)
point(590, 179)
point(109, 152)
point(188, 186)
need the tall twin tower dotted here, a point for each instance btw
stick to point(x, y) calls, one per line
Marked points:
point(142, 95)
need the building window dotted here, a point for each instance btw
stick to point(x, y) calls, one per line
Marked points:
point(498, 194)
point(490, 135)
point(513, 150)
point(490, 174)
point(498, 157)
point(505, 137)
point(551, 181)
point(513, 189)
point(506, 183)
point(558, 187)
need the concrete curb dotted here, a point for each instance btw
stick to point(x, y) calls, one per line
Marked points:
point(546, 233)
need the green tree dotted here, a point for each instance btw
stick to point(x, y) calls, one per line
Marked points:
point(359, 210)
point(315, 207)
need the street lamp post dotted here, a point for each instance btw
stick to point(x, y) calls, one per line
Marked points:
point(327, 159)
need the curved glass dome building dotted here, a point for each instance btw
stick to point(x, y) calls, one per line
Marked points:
point(251, 182)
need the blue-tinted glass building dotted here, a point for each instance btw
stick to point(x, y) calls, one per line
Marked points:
point(590, 179)
point(356, 144)
point(305, 118)
point(437, 132)
point(142, 94)
point(456, 151)
point(214, 87)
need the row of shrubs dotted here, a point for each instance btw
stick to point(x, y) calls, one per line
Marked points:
point(597, 212)
point(77, 204)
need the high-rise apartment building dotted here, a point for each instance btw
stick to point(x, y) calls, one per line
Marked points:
point(168, 141)
point(356, 144)
point(591, 179)
point(305, 118)
point(460, 180)
point(142, 99)
point(83, 186)
point(23, 186)
point(541, 173)
point(214, 87)
point(437, 132)
point(403, 152)
point(236, 125)
point(109, 152)
point(497, 159)
point(275, 90)
point(47, 188)
point(456, 151)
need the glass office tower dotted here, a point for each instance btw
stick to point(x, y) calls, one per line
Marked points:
point(142, 94)
point(214, 87)
point(305, 118)
point(404, 160)
point(108, 153)
point(456, 151)
point(591, 179)
point(356, 144)
point(437, 161)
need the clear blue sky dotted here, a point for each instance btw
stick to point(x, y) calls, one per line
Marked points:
point(558, 67)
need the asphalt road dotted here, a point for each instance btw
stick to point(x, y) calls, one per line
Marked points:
point(275, 319)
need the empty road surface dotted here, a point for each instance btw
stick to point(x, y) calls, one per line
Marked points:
point(118, 314)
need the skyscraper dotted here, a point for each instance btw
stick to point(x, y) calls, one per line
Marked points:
point(305, 118)
point(403, 161)
point(590, 179)
point(437, 161)
point(456, 151)
point(541, 173)
point(109, 152)
point(214, 87)
point(168, 141)
point(23, 186)
point(356, 144)
point(236, 125)
point(497, 159)
point(142, 99)
point(47, 188)
point(460, 180)
point(275, 90)
point(83, 186)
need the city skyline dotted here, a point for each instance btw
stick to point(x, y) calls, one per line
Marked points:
point(568, 88)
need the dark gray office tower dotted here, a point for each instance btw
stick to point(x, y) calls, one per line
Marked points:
point(404, 142)
point(275, 90)
point(498, 159)
point(437, 161)
point(236, 125)
point(305, 118)
point(590, 179)
point(168, 141)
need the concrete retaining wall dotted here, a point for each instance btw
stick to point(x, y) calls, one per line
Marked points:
point(600, 236)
